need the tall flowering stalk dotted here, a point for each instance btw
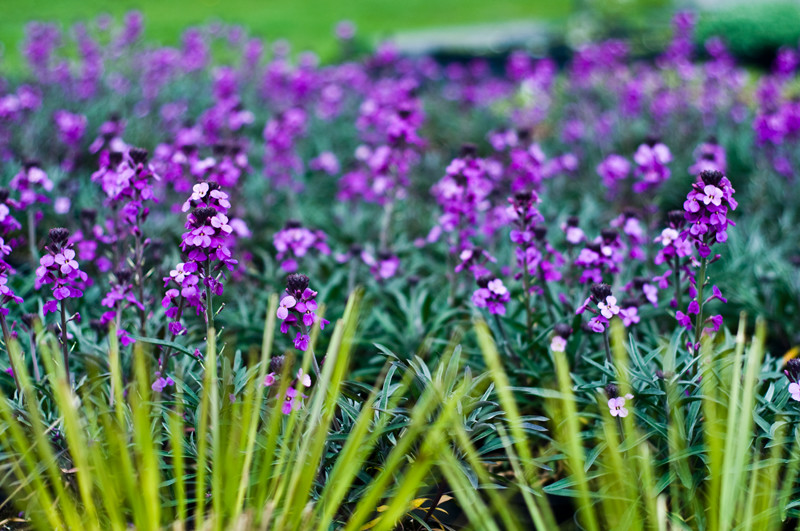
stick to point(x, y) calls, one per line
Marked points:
point(297, 309)
point(525, 216)
point(30, 181)
point(706, 212)
point(127, 180)
point(59, 269)
point(206, 246)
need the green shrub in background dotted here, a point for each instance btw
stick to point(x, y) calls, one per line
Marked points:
point(753, 31)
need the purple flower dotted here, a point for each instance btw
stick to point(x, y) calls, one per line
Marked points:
point(59, 269)
point(491, 294)
point(706, 209)
point(651, 170)
point(294, 242)
point(298, 309)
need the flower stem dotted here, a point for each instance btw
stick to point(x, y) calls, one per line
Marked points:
point(209, 307)
point(526, 286)
point(32, 236)
point(36, 374)
point(139, 262)
point(701, 282)
point(6, 340)
point(607, 345)
point(677, 281)
point(64, 346)
point(386, 223)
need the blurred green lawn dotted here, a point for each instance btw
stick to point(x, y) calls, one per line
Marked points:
point(307, 24)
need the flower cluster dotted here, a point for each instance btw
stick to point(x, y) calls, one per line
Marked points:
point(294, 241)
point(792, 372)
point(29, 182)
point(298, 309)
point(651, 169)
point(706, 208)
point(293, 398)
point(491, 294)
point(616, 403)
point(206, 246)
point(606, 308)
point(59, 269)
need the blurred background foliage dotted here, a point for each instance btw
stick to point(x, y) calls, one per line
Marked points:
point(753, 31)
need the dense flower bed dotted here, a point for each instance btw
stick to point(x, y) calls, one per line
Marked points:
point(162, 194)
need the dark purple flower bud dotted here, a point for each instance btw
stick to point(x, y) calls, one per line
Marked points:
point(296, 283)
point(540, 232)
point(483, 280)
point(629, 302)
point(639, 282)
point(712, 177)
point(608, 235)
point(293, 224)
point(124, 276)
point(469, 151)
point(114, 158)
point(612, 390)
point(31, 164)
point(59, 236)
point(652, 140)
point(28, 319)
point(3, 195)
point(660, 374)
point(562, 330)
point(204, 214)
point(600, 292)
point(138, 156)
point(676, 218)
point(276, 364)
point(793, 369)
point(573, 221)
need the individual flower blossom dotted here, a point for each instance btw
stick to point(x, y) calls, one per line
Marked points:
point(294, 242)
point(326, 162)
point(613, 170)
point(383, 266)
point(792, 372)
point(491, 294)
point(616, 403)
point(161, 383)
point(651, 160)
point(572, 231)
point(561, 333)
point(606, 307)
point(629, 312)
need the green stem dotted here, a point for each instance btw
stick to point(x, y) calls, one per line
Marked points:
point(526, 286)
point(386, 223)
point(607, 345)
point(677, 267)
point(6, 339)
point(32, 236)
point(209, 308)
point(64, 346)
point(701, 282)
point(139, 259)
